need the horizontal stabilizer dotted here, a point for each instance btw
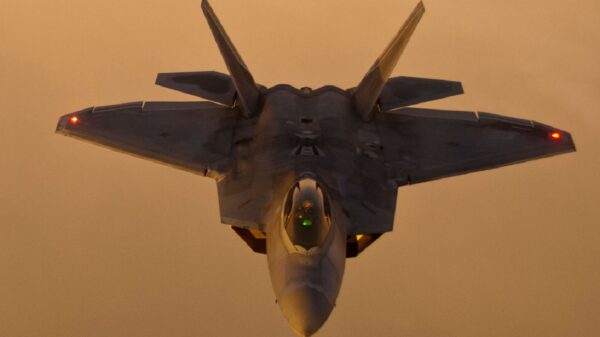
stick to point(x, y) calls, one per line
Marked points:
point(209, 85)
point(404, 91)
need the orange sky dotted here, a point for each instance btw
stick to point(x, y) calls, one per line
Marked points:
point(97, 243)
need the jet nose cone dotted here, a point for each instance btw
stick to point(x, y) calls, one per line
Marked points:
point(306, 309)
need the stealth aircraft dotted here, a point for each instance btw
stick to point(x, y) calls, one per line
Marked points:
point(309, 176)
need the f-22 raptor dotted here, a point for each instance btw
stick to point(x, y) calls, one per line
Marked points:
point(309, 176)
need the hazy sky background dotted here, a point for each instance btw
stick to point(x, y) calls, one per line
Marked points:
point(97, 243)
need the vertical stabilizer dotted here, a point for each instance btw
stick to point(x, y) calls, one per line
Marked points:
point(248, 95)
point(368, 91)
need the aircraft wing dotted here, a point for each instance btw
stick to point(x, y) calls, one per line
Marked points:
point(195, 136)
point(421, 145)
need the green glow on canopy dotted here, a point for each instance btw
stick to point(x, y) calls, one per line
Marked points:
point(306, 223)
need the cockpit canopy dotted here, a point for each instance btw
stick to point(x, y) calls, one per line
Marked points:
point(306, 214)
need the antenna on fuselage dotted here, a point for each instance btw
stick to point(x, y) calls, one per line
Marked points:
point(368, 91)
point(247, 93)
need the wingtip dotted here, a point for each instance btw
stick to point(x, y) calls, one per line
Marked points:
point(571, 142)
point(65, 122)
point(61, 125)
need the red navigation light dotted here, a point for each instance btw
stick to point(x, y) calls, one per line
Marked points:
point(74, 120)
point(555, 135)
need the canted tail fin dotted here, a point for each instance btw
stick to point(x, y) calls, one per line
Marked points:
point(368, 91)
point(247, 93)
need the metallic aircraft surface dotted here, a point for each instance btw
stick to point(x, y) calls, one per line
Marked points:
point(309, 177)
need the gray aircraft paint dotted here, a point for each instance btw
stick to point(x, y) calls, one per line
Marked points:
point(306, 280)
point(359, 145)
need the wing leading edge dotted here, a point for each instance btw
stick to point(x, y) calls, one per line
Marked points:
point(422, 144)
point(194, 136)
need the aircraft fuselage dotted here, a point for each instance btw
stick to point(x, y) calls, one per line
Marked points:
point(306, 268)
point(309, 177)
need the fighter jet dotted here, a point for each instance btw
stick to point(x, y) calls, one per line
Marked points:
point(309, 176)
